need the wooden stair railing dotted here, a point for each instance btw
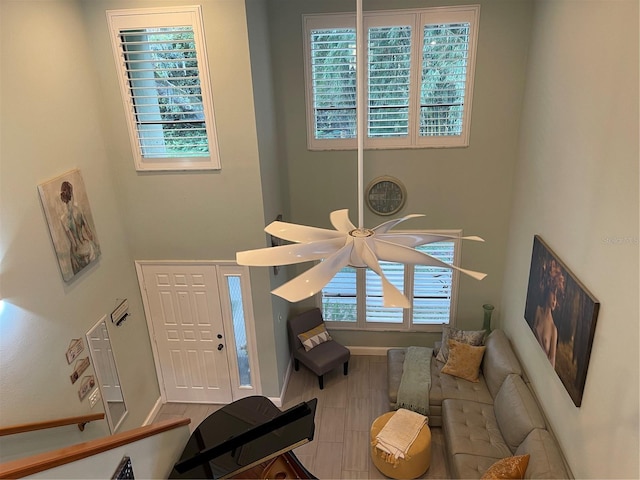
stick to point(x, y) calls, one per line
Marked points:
point(45, 461)
point(81, 421)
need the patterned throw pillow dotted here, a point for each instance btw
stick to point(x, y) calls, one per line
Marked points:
point(509, 467)
point(314, 337)
point(470, 337)
point(464, 361)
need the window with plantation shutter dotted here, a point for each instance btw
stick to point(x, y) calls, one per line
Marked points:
point(419, 77)
point(432, 286)
point(162, 66)
point(353, 298)
point(333, 67)
point(389, 52)
point(375, 311)
point(339, 301)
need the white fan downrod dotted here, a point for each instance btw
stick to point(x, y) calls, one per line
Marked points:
point(348, 245)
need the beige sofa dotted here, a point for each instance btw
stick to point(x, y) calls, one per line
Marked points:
point(483, 422)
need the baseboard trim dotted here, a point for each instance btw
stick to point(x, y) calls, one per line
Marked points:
point(279, 401)
point(153, 413)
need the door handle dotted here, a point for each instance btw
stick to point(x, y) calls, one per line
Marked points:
point(220, 346)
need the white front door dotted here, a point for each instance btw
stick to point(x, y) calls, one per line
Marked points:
point(185, 315)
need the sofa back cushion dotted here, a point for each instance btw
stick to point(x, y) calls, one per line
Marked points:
point(516, 411)
point(499, 361)
point(545, 459)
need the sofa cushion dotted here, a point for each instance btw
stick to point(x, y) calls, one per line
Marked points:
point(464, 361)
point(546, 460)
point(442, 385)
point(516, 411)
point(499, 361)
point(471, 427)
point(447, 386)
point(395, 362)
point(464, 465)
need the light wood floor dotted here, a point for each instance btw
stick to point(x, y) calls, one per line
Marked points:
point(346, 408)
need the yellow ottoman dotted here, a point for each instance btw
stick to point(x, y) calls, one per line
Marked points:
point(418, 457)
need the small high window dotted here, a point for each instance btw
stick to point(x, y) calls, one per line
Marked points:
point(162, 67)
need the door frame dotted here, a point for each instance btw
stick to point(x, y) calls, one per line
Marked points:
point(249, 321)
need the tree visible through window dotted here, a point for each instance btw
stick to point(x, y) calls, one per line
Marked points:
point(419, 77)
point(165, 88)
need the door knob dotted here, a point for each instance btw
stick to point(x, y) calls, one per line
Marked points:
point(220, 346)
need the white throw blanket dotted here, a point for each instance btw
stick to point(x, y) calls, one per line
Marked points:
point(397, 436)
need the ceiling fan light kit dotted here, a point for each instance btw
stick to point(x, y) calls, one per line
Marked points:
point(349, 245)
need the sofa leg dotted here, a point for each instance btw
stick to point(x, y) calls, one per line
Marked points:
point(321, 381)
point(296, 364)
point(346, 367)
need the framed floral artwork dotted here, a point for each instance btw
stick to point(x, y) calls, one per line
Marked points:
point(73, 233)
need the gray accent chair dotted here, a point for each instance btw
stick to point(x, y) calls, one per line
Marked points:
point(322, 358)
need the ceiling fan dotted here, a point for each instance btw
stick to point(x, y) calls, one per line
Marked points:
point(348, 245)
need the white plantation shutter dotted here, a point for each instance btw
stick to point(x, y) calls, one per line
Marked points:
point(432, 286)
point(164, 86)
point(333, 67)
point(444, 79)
point(164, 82)
point(339, 300)
point(375, 312)
point(354, 298)
point(420, 65)
point(389, 73)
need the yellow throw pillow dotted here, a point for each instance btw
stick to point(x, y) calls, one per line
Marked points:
point(314, 337)
point(464, 360)
point(509, 467)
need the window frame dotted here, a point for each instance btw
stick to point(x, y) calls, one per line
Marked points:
point(417, 19)
point(159, 17)
point(407, 324)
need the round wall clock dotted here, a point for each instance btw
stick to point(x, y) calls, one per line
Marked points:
point(385, 195)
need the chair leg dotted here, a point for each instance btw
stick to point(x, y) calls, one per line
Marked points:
point(296, 364)
point(346, 367)
point(321, 381)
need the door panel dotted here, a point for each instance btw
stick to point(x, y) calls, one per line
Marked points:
point(186, 318)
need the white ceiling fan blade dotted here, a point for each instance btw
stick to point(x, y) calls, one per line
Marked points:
point(386, 226)
point(399, 253)
point(413, 239)
point(340, 221)
point(288, 254)
point(311, 282)
point(392, 297)
point(300, 233)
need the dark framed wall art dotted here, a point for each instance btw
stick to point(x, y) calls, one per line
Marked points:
point(562, 314)
point(66, 207)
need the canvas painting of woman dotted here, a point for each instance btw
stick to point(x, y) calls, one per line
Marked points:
point(66, 207)
point(562, 315)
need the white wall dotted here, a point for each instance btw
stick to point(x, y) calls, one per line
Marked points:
point(50, 124)
point(196, 215)
point(577, 186)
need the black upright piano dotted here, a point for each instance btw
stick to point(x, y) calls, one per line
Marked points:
point(249, 438)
